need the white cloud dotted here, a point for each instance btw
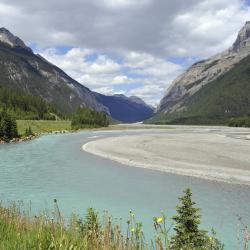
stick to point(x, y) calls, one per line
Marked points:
point(108, 91)
point(122, 3)
point(99, 72)
point(103, 65)
point(210, 27)
point(155, 74)
point(149, 93)
point(121, 79)
point(144, 34)
point(103, 74)
point(157, 27)
point(6, 9)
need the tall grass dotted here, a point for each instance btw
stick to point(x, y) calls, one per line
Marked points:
point(19, 230)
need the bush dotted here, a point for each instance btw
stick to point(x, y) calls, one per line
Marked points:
point(240, 122)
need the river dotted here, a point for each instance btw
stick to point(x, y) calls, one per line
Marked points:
point(55, 166)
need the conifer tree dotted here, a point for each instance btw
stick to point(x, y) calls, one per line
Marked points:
point(85, 117)
point(187, 233)
point(8, 127)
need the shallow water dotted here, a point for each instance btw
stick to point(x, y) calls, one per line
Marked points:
point(54, 166)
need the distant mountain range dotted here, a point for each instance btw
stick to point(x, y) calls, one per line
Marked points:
point(21, 69)
point(126, 109)
point(211, 91)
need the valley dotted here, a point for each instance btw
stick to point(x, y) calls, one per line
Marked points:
point(115, 124)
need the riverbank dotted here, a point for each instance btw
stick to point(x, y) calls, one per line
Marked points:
point(43, 127)
point(38, 128)
point(215, 153)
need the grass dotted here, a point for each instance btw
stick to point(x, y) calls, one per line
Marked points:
point(46, 126)
point(49, 230)
point(42, 126)
point(19, 231)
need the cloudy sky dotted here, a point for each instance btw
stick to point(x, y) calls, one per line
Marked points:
point(134, 47)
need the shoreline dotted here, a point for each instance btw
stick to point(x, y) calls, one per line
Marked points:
point(177, 154)
point(117, 127)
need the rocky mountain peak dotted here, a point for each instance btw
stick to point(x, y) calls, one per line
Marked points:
point(204, 72)
point(243, 39)
point(8, 38)
point(138, 100)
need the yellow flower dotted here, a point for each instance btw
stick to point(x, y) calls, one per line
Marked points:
point(133, 230)
point(159, 220)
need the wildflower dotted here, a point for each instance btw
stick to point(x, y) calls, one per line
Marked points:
point(159, 220)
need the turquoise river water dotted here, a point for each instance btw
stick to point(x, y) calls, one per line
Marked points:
point(55, 166)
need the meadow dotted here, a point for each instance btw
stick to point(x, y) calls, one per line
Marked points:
point(43, 126)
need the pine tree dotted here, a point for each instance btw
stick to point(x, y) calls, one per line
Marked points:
point(187, 235)
point(8, 127)
point(85, 117)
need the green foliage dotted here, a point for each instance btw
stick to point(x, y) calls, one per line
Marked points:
point(240, 122)
point(90, 227)
point(19, 230)
point(91, 222)
point(135, 236)
point(28, 132)
point(162, 240)
point(85, 117)
point(24, 106)
point(187, 235)
point(8, 127)
point(214, 243)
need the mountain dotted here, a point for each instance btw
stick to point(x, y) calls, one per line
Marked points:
point(21, 69)
point(212, 90)
point(126, 109)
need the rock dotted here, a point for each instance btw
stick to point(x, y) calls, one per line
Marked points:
point(204, 72)
point(243, 39)
point(14, 41)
